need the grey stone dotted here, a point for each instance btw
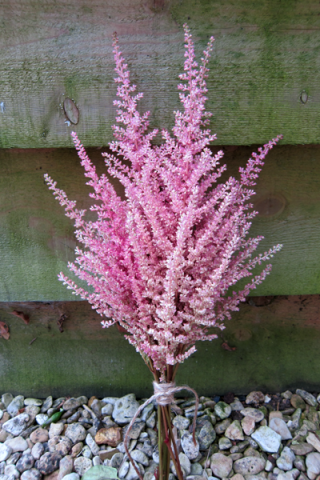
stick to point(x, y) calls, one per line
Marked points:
point(248, 425)
point(313, 465)
point(221, 427)
point(147, 411)
point(254, 413)
point(302, 448)
point(25, 463)
point(254, 398)
point(184, 463)
point(107, 409)
point(46, 404)
point(146, 448)
point(48, 462)
point(155, 456)
point(65, 466)
point(151, 421)
point(55, 429)
point(74, 417)
point(16, 425)
point(14, 457)
point(116, 460)
point(111, 400)
point(33, 401)
point(236, 405)
point(188, 446)
point(124, 409)
point(63, 446)
point(37, 450)
point(71, 404)
point(313, 440)
point(86, 452)
point(123, 470)
point(149, 476)
point(11, 471)
point(32, 474)
point(136, 429)
point(279, 426)
point(249, 465)
point(302, 476)
point(132, 474)
point(267, 439)
point(299, 463)
point(221, 465)
point(140, 457)
point(15, 405)
point(81, 465)
point(41, 418)
point(295, 421)
point(92, 445)
point(269, 466)
point(196, 469)
point(180, 422)
point(206, 436)
point(224, 443)
point(251, 452)
point(71, 476)
point(152, 436)
point(259, 476)
point(5, 452)
point(17, 444)
point(96, 406)
point(285, 461)
point(240, 447)
point(76, 433)
point(287, 394)
point(6, 399)
point(234, 431)
point(307, 397)
point(222, 410)
point(32, 411)
point(96, 461)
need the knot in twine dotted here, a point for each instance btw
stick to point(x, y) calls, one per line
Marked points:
point(163, 394)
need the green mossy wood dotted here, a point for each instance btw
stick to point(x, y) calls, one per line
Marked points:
point(264, 78)
point(37, 240)
point(272, 344)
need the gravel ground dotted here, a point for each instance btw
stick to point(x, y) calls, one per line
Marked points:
point(258, 436)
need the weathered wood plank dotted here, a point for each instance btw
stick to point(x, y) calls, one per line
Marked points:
point(264, 76)
point(275, 342)
point(36, 239)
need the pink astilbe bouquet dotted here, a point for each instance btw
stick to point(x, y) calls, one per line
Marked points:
point(161, 262)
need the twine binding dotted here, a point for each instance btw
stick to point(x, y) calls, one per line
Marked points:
point(164, 395)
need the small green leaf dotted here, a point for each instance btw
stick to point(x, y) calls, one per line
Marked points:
point(100, 472)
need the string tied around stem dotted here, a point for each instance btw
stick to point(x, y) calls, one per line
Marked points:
point(163, 394)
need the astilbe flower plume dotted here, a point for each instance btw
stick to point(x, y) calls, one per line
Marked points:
point(161, 261)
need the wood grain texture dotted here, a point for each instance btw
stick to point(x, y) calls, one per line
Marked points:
point(264, 77)
point(36, 239)
point(274, 344)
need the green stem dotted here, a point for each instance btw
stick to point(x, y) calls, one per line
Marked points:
point(160, 444)
point(175, 455)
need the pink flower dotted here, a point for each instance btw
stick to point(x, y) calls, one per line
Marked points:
point(162, 261)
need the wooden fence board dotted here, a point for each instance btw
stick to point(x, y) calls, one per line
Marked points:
point(36, 239)
point(264, 77)
point(273, 345)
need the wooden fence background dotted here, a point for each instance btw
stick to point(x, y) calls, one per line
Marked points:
point(56, 75)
